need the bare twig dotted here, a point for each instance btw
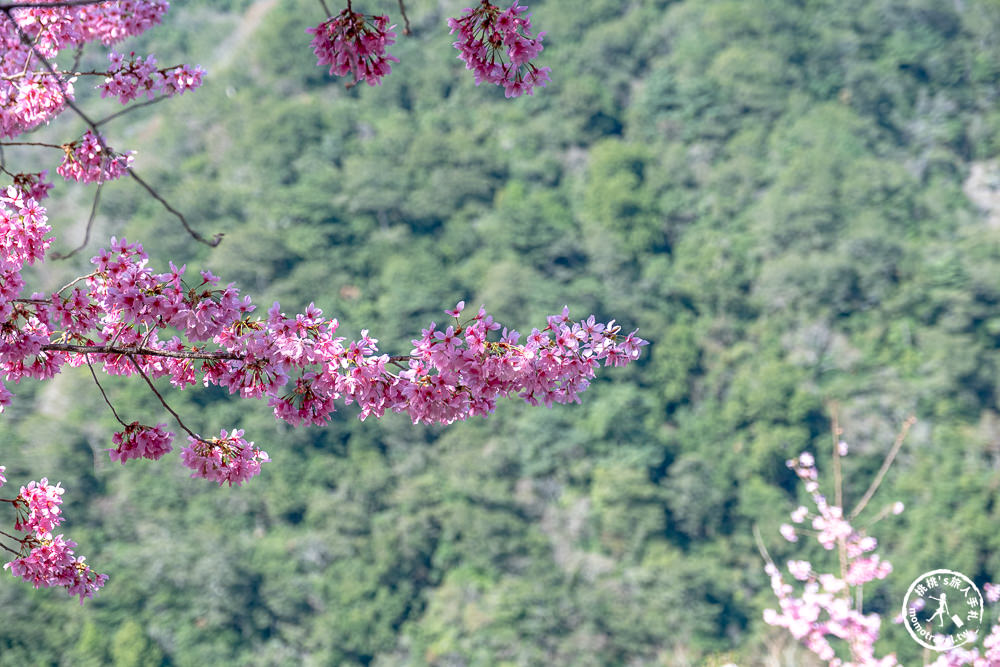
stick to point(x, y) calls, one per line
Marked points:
point(129, 109)
point(72, 282)
point(216, 240)
point(106, 400)
point(325, 8)
point(406, 19)
point(86, 231)
point(163, 402)
point(760, 545)
point(907, 425)
point(838, 480)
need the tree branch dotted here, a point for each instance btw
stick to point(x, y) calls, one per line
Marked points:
point(216, 240)
point(163, 402)
point(106, 400)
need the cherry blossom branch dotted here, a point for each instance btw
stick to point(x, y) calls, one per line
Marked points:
point(94, 128)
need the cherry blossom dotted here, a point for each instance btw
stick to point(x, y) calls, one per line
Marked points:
point(139, 441)
point(88, 161)
point(355, 43)
point(497, 45)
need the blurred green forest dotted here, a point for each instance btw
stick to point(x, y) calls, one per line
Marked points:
point(796, 201)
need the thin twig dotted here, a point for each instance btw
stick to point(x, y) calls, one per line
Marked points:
point(106, 400)
point(73, 282)
point(86, 231)
point(838, 487)
point(406, 19)
point(325, 8)
point(163, 402)
point(33, 143)
point(128, 109)
point(760, 545)
point(838, 480)
point(910, 421)
point(216, 240)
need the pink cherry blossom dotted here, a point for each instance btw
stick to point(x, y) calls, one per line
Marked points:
point(497, 45)
point(139, 441)
point(227, 459)
point(87, 161)
point(50, 562)
point(355, 43)
point(37, 507)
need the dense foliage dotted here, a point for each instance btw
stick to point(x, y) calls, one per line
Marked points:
point(793, 200)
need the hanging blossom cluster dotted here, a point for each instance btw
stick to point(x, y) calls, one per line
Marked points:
point(43, 559)
point(497, 45)
point(88, 161)
point(226, 459)
point(353, 43)
point(825, 607)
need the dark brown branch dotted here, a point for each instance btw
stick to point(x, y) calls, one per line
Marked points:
point(406, 19)
point(32, 143)
point(325, 8)
point(163, 402)
point(216, 240)
point(171, 354)
point(101, 389)
point(142, 351)
point(129, 109)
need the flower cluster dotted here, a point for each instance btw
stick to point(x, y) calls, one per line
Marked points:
point(46, 560)
point(355, 43)
point(825, 608)
point(86, 161)
point(38, 507)
point(33, 185)
point(138, 441)
point(498, 47)
point(128, 79)
point(226, 459)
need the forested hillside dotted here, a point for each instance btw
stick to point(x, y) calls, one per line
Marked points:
point(796, 201)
